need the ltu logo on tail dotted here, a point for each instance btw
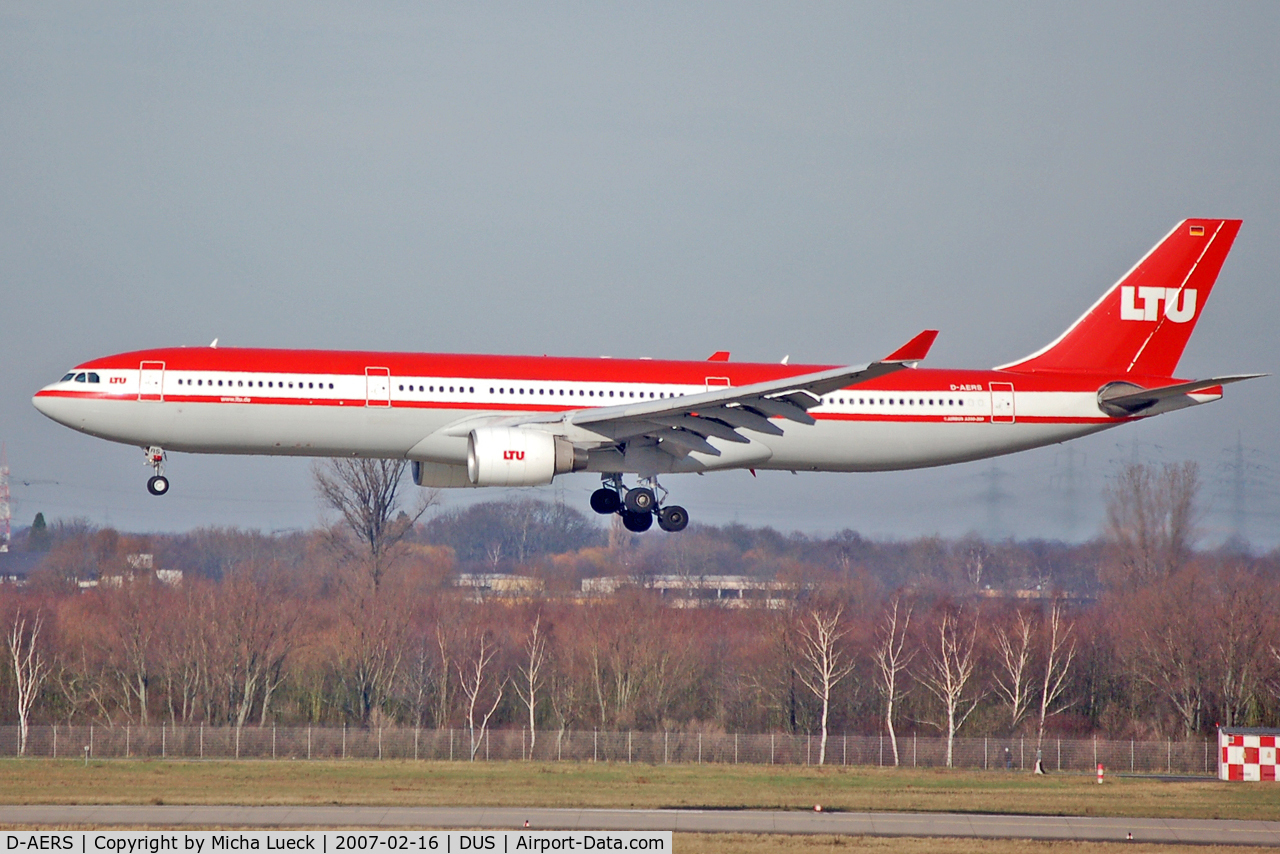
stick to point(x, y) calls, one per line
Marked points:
point(1177, 310)
point(513, 455)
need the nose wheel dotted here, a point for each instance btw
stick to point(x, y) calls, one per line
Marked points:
point(157, 484)
point(639, 506)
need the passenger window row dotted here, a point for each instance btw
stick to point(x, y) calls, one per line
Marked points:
point(589, 393)
point(241, 384)
point(911, 401)
point(431, 389)
point(542, 392)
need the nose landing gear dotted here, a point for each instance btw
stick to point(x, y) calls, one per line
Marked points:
point(157, 484)
point(638, 506)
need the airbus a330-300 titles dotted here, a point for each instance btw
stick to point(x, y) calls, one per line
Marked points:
point(473, 421)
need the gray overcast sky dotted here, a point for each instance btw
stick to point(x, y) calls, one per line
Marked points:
point(819, 180)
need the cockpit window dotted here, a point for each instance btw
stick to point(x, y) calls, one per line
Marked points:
point(80, 377)
point(93, 378)
point(67, 378)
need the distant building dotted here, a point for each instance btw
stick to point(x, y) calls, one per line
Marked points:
point(697, 591)
point(1032, 594)
point(487, 584)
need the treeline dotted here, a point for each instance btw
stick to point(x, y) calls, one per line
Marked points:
point(1136, 635)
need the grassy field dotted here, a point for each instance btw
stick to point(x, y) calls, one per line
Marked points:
point(620, 785)
point(757, 843)
point(749, 843)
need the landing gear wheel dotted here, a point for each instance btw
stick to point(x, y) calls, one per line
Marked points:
point(605, 501)
point(673, 518)
point(158, 485)
point(640, 500)
point(637, 522)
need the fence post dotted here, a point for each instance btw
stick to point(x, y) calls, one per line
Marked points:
point(628, 747)
point(881, 750)
point(1131, 756)
point(380, 742)
point(595, 745)
point(844, 760)
point(771, 735)
point(164, 745)
point(450, 744)
point(90, 739)
point(344, 739)
point(1095, 751)
point(486, 746)
point(1059, 754)
point(666, 747)
point(237, 742)
point(308, 741)
point(1168, 768)
point(55, 741)
point(1206, 754)
point(126, 741)
point(914, 738)
point(984, 753)
point(1022, 753)
point(201, 739)
point(415, 744)
point(273, 739)
point(735, 748)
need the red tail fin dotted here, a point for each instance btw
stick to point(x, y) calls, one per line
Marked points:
point(1141, 325)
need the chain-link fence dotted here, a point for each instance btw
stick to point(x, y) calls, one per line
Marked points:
point(655, 748)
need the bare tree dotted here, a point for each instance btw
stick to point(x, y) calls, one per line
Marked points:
point(948, 671)
point(530, 669)
point(366, 493)
point(1162, 639)
point(824, 664)
point(1151, 517)
point(1012, 681)
point(1242, 612)
point(476, 679)
point(373, 630)
point(29, 669)
point(1060, 651)
point(892, 659)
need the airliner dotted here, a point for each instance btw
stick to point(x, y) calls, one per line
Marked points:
point(477, 421)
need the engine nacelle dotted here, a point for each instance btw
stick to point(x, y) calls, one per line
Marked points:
point(516, 456)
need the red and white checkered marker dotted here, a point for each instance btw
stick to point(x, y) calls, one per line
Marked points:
point(1247, 754)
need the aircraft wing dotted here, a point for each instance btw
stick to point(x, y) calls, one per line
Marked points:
point(1121, 399)
point(683, 424)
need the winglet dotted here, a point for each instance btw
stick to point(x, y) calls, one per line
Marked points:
point(915, 349)
point(719, 356)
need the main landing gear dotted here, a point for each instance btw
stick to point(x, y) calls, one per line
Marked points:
point(638, 506)
point(158, 484)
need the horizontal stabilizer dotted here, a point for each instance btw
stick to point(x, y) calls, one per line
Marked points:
point(914, 350)
point(1121, 399)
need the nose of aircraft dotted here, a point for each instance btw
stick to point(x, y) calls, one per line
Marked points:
point(51, 406)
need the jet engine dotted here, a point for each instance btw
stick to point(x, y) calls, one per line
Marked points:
point(515, 456)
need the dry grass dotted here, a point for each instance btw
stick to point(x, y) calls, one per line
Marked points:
point(764, 843)
point(624, 786)
point(752, 843)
